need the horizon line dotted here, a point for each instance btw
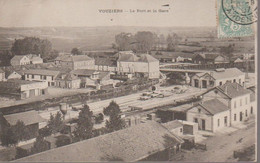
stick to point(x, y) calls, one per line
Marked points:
point(103, 26)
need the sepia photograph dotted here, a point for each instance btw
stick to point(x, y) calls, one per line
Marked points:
point(128, 80)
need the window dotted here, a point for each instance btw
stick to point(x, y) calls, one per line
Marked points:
point(52, 78)
point(220, 83)
point(240, 102)
point(246, 113)
point(251, 109)
point(239, 81)
point(246, 100)
point(234, 80)
point(218, 122)
point(32, 76)
point(44, 77)
point(235, 104)
point(180, 129)
point(27, 75)
point(199, 110)
point(196, 120)
point(235, 117)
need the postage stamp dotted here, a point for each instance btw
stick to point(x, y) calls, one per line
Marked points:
point(236, 18)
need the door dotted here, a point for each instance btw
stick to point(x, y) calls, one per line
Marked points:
point(203, 124)
point(204, 83)
point(225, 120)
point(241, 116)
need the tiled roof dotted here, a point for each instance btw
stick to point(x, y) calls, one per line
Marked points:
point(84, 72)
point(130, 144)
point(42, 72)
point(67, 76)
point(233, 89)
point(131, 57)
point(29, 117)
point(147, 58)
point(226, 73)
point(18, 57)
point(70, 58)
point(214, 106)
point(173, 124)
point(105, 62)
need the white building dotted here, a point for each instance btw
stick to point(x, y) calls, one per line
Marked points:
point(23, 89)
point(41, 75)
point(239, 100)
point(218, 77)
point(144, 64)
point(18, 60)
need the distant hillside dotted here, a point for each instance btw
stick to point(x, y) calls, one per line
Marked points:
point(89, 38)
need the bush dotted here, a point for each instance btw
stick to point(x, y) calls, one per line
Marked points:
point(44, 132)
point(20, 152)
point(99, 118)
point(62, 140)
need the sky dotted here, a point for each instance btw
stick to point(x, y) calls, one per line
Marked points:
point(74, 13)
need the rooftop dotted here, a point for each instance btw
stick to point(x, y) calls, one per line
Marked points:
point(131, 57)
point(42, 72)
point(233, 89)
point(29, 117)
point(173, 124)
point(130, 144)
point(73, 58)
point(83, 72)
point(224, 73)
point(214, 106)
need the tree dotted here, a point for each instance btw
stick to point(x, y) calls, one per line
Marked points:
point(113, 108)
point(144, 41)
point(32, 45)
point(8, 136)
point(76, 51)
point(172, 41)
point(55, 124)
point(115, 122)
point(21, 131)
point(99, 118)
point(62, 140)
point(11, 135)
point(84, 129)
point(5, 57)
point(124, 41)
point(40, 145)
point(227, 50)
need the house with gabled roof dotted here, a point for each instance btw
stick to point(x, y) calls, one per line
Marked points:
point(67, 80)
point(141, 65)
point(211, 115)
point(75, 62)
point(18, 60)
point(238, 99)
point(41, 75)
point(218, 77)
point(209, 58)
point(143, 142)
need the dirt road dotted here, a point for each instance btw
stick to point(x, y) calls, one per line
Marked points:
point(221, 148)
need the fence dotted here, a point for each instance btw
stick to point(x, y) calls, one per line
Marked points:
point(239, 65)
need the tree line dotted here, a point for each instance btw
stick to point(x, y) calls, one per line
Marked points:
point(145, 41)
point(29, 45)
point(12, 135)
